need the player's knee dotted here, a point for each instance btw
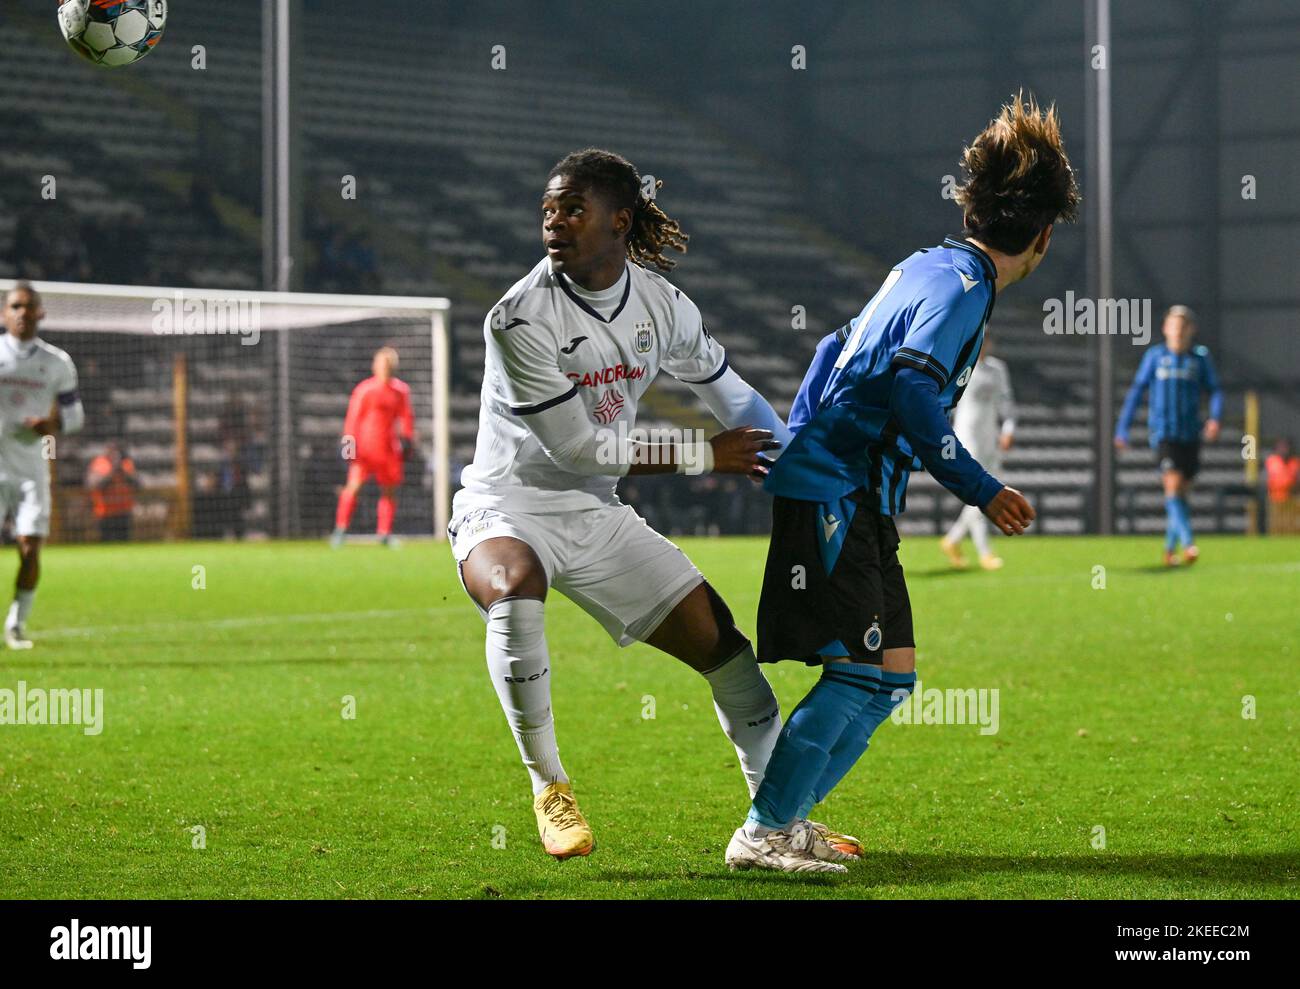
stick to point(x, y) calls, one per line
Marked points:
point(507, 571)
point(518, 624)
point(727, 640)
point(502, 582)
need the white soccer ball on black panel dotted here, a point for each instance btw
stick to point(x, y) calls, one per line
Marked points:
point(112, 32)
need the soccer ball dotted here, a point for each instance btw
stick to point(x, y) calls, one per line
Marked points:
point(112, 32)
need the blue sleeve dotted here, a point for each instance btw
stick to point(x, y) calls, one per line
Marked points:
point(944, 321)
point(1212, 383)
point(914, 402)
point(814, 382)
point(1134, 396)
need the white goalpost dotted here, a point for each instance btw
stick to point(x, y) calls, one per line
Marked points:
point(231, 405)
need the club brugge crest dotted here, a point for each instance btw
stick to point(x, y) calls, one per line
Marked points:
point(644, 335)
point(874, 637)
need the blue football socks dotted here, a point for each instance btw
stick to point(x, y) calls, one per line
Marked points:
point(804, 748)
point(894, 689)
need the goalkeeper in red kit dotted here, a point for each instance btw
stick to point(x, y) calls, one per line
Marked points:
point(377, 437)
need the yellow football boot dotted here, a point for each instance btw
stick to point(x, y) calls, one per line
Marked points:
point(565, 832)
point(833, 846)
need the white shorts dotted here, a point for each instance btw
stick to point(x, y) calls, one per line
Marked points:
point(28, 501)
point(606, 560)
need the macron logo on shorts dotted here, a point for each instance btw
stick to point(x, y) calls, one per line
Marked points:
point(829, 524)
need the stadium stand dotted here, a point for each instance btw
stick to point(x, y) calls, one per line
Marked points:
point(441, 211)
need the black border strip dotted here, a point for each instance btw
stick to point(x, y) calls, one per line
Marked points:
point(527, 410)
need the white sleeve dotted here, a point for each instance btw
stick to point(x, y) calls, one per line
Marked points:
point(693, 356)
point(71, 414)
point(530, 361)
point(734, 402)
point(573, 441)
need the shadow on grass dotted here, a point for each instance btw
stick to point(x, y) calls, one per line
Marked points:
point(1149, 568)
point(1271, 869)
point(943, 571)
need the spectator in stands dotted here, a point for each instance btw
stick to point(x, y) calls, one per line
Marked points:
point(233, 493)
point(206, 523)
point(363, 272)
point(26, 246)
point(112, 483)
point(1283, 470)
point(333, 262)
point(50, 243)
point(203, 203)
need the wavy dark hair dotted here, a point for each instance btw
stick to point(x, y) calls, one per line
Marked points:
point(1018, 177)
point(617, 179)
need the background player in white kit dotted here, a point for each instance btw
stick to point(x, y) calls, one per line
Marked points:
point(985, 425)
point(571, 348)
point(38, 398)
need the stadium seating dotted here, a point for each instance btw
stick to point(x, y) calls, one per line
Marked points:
point(450, 214)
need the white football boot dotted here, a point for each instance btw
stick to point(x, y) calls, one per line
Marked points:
point(781, 851)
point(14, 639)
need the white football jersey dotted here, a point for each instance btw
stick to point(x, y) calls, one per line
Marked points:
point(547, 345)
point(32, 377)
point(985, 406)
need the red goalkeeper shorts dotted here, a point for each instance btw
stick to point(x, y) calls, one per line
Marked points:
point(387, 471)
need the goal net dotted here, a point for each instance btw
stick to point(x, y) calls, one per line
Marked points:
point(231, 407)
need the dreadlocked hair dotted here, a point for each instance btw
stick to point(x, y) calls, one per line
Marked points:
point(617, 179)
point(1018, 177)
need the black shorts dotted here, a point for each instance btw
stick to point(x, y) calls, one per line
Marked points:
point(1182, 457)
point(833, 584)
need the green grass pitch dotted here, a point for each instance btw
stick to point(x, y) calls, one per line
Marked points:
point(1119, 708)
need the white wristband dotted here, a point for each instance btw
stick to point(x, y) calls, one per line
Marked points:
point(695, 458)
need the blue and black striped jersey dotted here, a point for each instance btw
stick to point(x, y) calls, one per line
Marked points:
point(1176, 383)
point(928, 316)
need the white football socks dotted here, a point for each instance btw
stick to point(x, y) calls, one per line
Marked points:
point(748, 711)
point(20, 609)
point(979, 529)
point(519, 664)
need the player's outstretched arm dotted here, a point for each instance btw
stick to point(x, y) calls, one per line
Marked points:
point(914, 402)
point(1133, 399)
point(1216, 397)
point(353, 414)
point(734, 402)
point(571, 441)
point(66, 416)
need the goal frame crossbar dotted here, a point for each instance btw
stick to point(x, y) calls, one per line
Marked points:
point(362, 307)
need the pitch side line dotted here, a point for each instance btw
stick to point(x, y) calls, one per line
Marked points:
point(87, 631)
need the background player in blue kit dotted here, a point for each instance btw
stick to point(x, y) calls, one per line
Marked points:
point(1177, 373)
point(872, 408)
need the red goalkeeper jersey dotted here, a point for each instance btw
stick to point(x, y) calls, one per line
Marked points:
point(376, 405)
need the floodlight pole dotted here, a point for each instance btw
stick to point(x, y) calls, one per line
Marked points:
point(281, 218)
point(1100, 248)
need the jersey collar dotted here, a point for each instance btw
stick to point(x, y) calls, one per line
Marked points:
point(582, 303)
point(990, 269)
point(18, 347)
